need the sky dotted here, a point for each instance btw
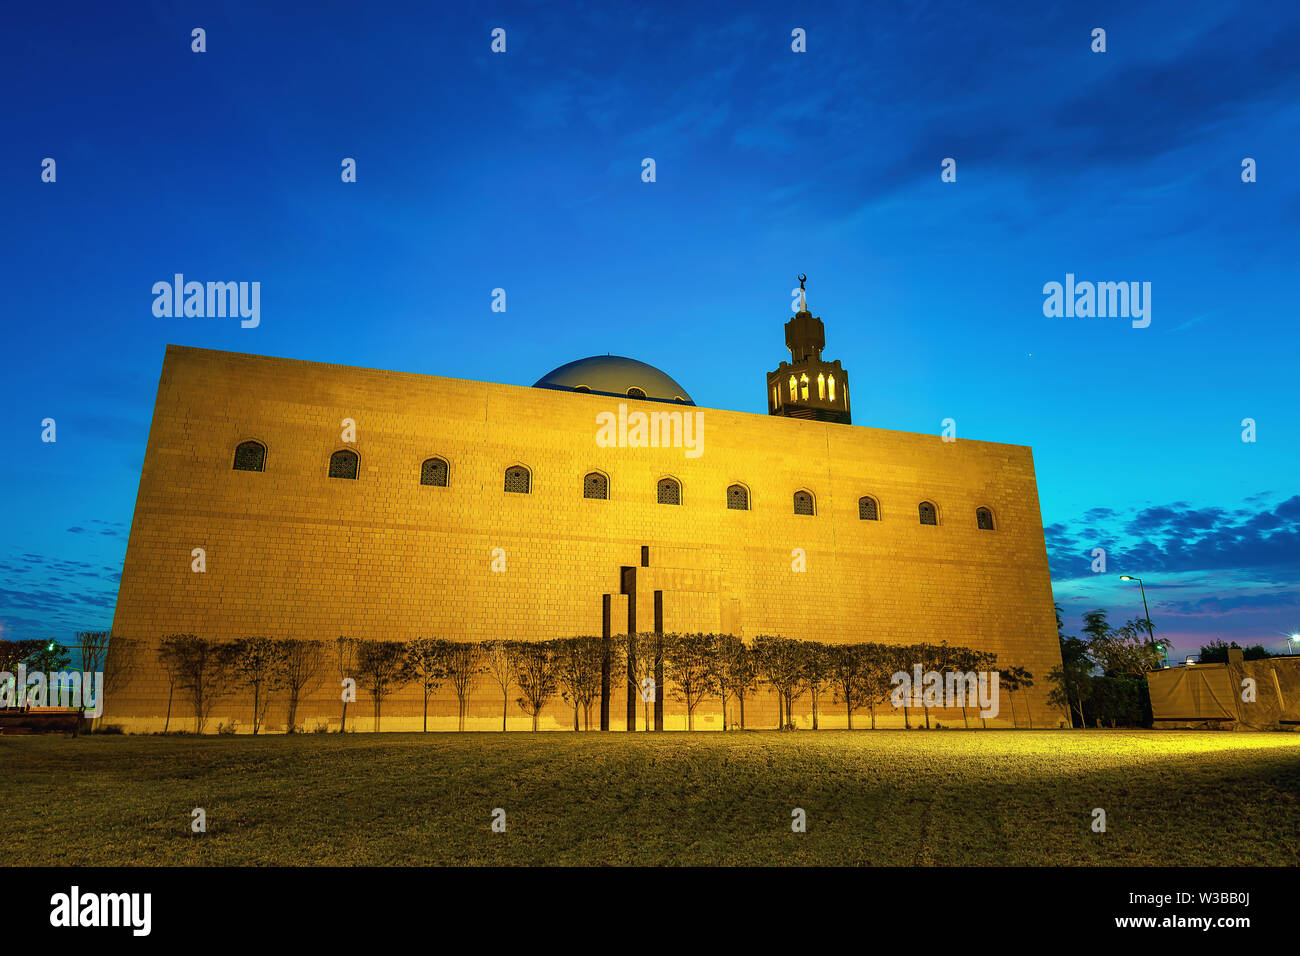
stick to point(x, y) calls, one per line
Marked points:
point(523, 170)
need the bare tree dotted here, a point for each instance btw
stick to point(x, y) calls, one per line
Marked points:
point(425, 663)
point(464, 663)
point(261, 663)
point(203, 671)
point(345, 653)
point(121, 666)
point(303, 663)
point(691, 669)
point(535, 673)
point(499, 662)
point(381, 669)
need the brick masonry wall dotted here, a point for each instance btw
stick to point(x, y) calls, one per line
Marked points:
point(291, 552)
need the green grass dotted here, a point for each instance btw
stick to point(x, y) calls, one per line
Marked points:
point(878, 798)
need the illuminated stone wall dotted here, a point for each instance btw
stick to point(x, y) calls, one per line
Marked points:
point(291, 552)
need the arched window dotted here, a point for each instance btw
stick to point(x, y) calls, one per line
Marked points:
point(794, 389)
point(670, 491)
point(250, 456)
point(635, 392)
point(803, 503)
point(830, 384)
point(434, 472)
point(984, 519)
point(738, 498)
point(344, 464)
point(518, 480)
point(927, 513)
point(868, 508)
point(821, 386)
point(595, 485)
point(803, 385)
point(776, 397)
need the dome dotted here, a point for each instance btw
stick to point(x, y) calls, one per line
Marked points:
point(615, 375)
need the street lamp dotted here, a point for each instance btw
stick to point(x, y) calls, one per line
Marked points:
point(1146, 610)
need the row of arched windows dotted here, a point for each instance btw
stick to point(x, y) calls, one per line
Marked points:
point(251, 456)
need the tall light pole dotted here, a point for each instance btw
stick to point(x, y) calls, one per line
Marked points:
point(1145, 610)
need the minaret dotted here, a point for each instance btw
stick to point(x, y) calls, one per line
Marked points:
point(807, 387)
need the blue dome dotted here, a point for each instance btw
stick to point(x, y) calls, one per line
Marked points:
point(615, 375)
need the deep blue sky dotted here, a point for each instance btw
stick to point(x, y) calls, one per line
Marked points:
point(522, 171)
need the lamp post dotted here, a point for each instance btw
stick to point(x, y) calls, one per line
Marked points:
point(1145, 610)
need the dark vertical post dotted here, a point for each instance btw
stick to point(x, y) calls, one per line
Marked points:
point(633, 691)
point(604, 661)
point(659, 660)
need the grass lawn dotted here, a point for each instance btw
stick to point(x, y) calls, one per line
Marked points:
point(876, 798)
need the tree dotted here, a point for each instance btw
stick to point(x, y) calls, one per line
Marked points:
point(303, 663)
point(879, 664)
point(640, 652)
point(345, 653)
point(1129, 650)
point(578, 673)
point(691, 668)
point(169, 660)
point(203, 671)
point(464, 663)
point(381, 669)
point(1216, 652)
point(425, 663)
point(13, 654)
point(815, 672)
point(1072, 681)
point(50, 657)
point(260, 662)
point(845, 674)
point(535, 673)
point(780, 661)
point(1015, 678)
point(499, 662)
point(121, 665)
point(732, 671)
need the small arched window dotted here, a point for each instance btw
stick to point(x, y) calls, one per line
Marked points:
point(984, 519)
point(738, 498)
point(519, 480)
point(250, 456)
point(794, 389)
point(803, 503)
point(635, 392)
point(928, 513)
point(803, 385)
point(830, 384)
point(669, 491)
point(821, 386)
point(868, 508)
point(434, 472)
point(344, 464)
point(595, 485)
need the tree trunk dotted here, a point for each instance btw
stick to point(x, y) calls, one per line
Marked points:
point(907, 719)
point(257, 697)
point(167, 723)
point(575, 715)
point(505, 707)
point(426, 712)
point(742, 711)
point(964, 719)
point(343, 724)
point(814, 706)
point(1029, 714)
point(848, 707)
point(780, 711)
